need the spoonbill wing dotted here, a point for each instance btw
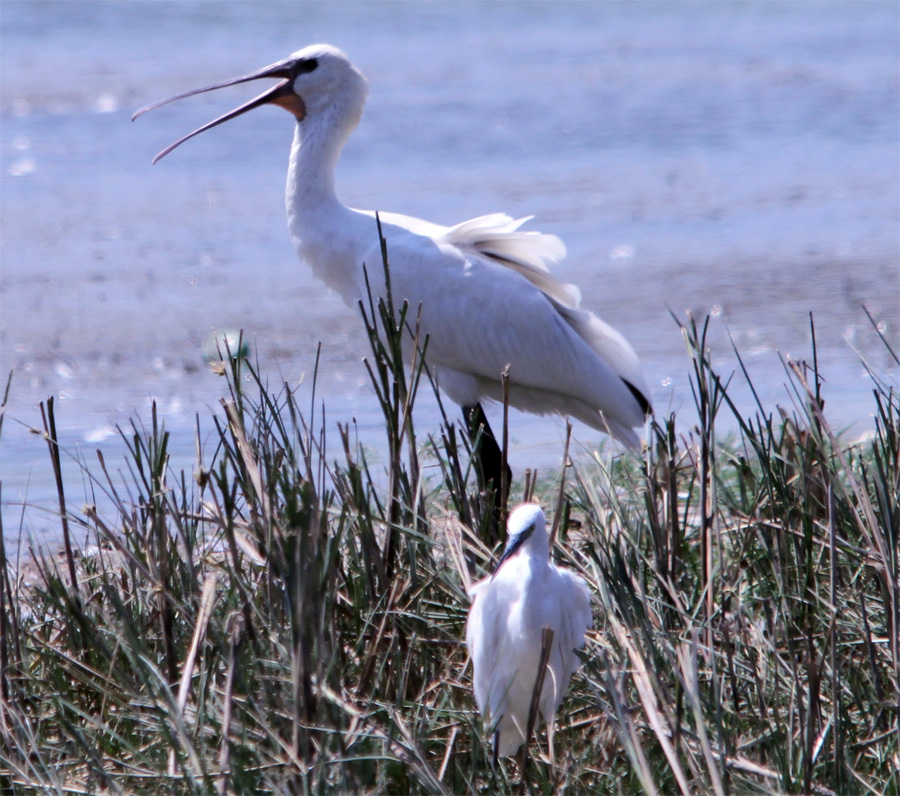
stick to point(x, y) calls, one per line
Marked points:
point(483, 313)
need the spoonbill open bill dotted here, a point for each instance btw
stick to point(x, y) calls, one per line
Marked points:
point(486, 296)
point(510, 609)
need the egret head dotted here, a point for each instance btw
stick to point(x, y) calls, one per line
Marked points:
point(310, 81)
point(527, 531)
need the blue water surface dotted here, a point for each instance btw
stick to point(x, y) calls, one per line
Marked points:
point(733, 159)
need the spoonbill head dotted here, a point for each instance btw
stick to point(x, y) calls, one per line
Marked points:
point(336, 87)
point(525, 594)
point(487, 298)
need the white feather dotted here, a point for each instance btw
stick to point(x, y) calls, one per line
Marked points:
point(503, 634)
point(487, 297)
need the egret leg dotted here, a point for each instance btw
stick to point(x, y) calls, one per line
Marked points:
point(489, 461)
point(496, 747)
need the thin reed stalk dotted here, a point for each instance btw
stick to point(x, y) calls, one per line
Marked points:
point(287, 619)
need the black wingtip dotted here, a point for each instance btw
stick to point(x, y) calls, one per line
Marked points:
point(639, 397)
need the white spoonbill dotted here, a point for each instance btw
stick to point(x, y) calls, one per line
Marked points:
point(487, 298)
point(510, 609)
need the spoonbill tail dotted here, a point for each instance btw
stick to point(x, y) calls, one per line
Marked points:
point(510, 609)
point(487, 298)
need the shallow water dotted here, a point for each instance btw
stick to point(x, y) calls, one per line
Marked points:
point(729, 158)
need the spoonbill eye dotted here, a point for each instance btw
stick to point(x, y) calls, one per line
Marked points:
point(307, 65)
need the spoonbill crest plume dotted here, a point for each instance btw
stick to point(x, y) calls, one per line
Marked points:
point(510, 609)
point(487, 298)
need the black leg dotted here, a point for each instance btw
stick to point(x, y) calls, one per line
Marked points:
point(489, 455)
point(489, 465)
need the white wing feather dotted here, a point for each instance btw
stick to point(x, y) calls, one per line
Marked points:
point(476, 284)
point(528, 253)
point(504, 646)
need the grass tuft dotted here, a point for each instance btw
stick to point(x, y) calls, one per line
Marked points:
point(289, 621)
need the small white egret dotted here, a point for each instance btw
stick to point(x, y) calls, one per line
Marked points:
point(510, 609)
point(487, 298)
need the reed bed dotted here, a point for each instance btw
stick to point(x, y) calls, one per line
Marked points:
point(289, 618)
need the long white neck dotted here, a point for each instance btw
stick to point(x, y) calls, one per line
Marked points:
point(537, 548)
point(317, 221)
point(310, 178)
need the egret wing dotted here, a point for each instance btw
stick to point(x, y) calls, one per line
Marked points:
point(577, 618)
point(485, 632)
point(565, 608)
